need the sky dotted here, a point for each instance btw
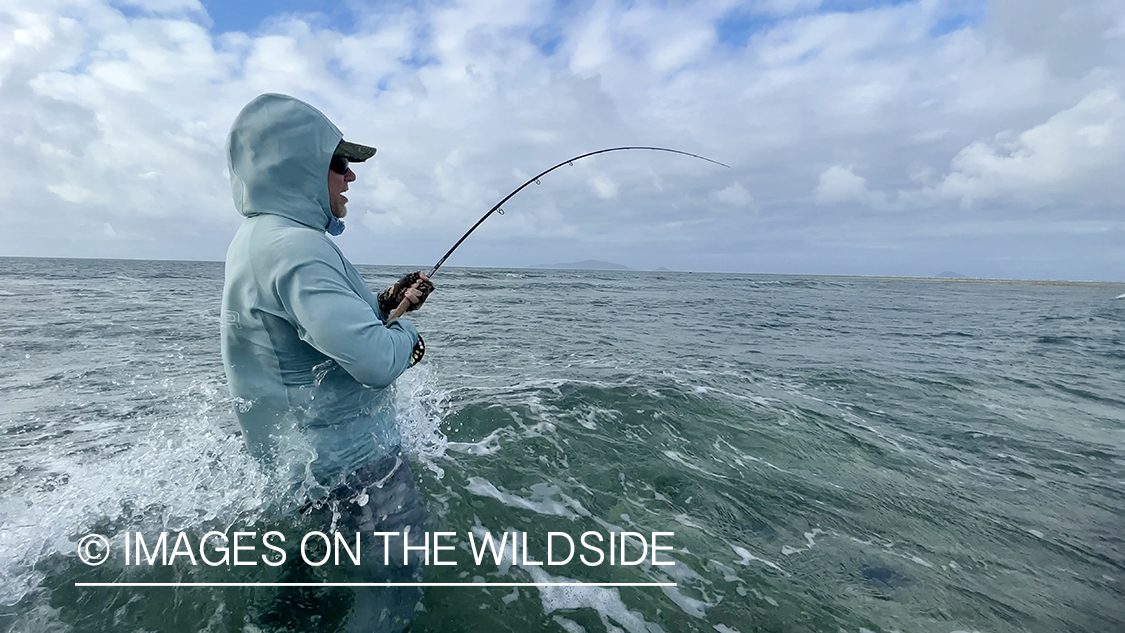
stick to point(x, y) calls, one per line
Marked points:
point(864, 138)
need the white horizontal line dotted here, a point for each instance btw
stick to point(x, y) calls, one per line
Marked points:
point(374, 584)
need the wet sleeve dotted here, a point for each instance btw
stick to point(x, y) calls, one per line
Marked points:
point(333, 318)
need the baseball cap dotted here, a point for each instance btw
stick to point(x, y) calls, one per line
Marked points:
point(354, 152)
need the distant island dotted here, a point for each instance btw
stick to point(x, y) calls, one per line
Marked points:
point(949, 274)
point(586, 264)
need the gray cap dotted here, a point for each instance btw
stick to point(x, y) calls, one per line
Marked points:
point(354, 152)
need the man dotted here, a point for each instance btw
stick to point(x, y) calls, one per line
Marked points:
point(308, 349)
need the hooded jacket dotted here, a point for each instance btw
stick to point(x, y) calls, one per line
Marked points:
point(307, 353)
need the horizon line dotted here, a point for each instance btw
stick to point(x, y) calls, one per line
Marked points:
point(541, 267)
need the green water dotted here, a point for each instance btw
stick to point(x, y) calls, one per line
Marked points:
point(830, 453)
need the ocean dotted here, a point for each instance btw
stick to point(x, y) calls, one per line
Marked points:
point(828, 453)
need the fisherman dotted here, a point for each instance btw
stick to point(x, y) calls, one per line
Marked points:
point(309, 351)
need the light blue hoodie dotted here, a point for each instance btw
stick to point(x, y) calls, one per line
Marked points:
point(307, 354)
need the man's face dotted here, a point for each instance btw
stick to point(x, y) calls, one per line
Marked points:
point(337, 185)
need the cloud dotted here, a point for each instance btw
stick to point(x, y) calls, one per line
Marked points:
point(1060, 158)
point(1072, 38)
point(840, 185)
point(164, 6)
point(116, 114)
point(603, 186)
point(70, 192)
point(784, 7)
point(735, 195)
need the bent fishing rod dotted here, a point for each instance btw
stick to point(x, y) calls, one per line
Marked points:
point(499, 206)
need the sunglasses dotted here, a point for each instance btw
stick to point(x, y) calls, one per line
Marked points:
point(339, 165)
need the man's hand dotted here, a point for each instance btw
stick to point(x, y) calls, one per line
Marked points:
point(408, 293)
point(416, 294)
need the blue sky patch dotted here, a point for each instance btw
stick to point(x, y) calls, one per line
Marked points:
point(736, 29)
point(957, 20)
point(547, 39)
point(249, 15)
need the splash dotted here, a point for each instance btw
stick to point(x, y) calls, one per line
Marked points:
point(421, 405)
point(190, 469)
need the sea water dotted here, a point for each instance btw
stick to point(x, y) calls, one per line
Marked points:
point(828, 453)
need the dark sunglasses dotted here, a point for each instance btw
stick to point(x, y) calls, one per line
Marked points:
point(339, 165)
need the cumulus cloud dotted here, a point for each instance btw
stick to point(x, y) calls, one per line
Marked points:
point(735, 195)
point(840, 185)
point(1065, 157)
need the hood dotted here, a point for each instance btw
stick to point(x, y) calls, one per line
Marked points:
point(278, 153)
